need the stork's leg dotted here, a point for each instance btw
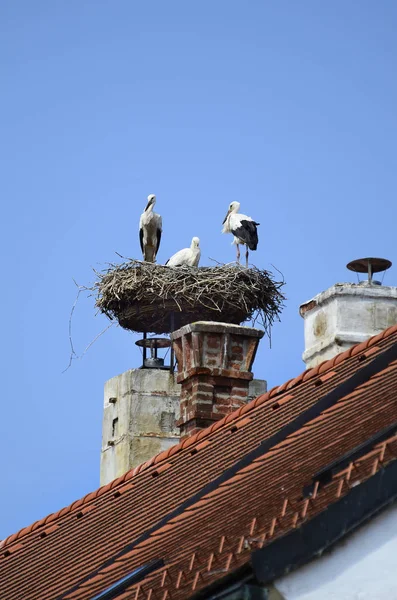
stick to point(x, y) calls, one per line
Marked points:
point(238, 253)
point(246, 257)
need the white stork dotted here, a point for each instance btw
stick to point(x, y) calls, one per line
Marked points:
point(189, 257)
point(243, 228)
point(150, 227)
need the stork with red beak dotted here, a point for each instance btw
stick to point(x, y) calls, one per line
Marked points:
point(243, 228)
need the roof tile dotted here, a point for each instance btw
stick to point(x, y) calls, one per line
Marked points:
point(359, 348)
point(88, 498)
point(325, 366)
point(309, 374)
point(295, 381)
point(273, 391)
point(283, 387)
point(86, 544)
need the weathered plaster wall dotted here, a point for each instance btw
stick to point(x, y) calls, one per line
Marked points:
point(344, 315)
point(362, 567)
point(140, 410)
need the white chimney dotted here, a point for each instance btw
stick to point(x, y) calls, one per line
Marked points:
point(348, 313)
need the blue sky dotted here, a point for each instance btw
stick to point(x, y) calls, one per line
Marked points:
point(288, 107)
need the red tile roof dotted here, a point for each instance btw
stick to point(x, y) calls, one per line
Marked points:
point(86, 547)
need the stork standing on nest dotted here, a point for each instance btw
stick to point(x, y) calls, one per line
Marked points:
point(150, 227)
point(188, 257)
point(243, 228)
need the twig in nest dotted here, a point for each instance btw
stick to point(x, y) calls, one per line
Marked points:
point(96, 337)
point(73, 353)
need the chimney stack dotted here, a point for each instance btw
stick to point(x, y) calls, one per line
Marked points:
point(348, 313)
point(141, 407)
point(214, 370)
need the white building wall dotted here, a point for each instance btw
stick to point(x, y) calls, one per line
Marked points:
point(344, 315)
point(362, 567)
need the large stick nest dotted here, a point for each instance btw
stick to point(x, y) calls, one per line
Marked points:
point(146, 297)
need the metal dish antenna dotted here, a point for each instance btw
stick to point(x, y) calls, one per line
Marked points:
point(369, 266)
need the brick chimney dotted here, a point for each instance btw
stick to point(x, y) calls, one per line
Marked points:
point(214, 370)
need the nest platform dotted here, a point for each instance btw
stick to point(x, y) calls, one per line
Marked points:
point(145, 297)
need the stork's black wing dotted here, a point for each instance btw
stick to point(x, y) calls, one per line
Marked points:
point(158, 240)
point(247, 233)
point(141, 238)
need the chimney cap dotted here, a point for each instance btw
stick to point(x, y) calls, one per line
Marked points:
point(370, 266)
point(217, 327)
point(366, 265)
point(154, 342)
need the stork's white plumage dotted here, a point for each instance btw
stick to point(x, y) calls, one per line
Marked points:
point(243, 228)
point(189, 257)
point(150, 228)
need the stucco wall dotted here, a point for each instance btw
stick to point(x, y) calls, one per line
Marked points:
point(141, 407)
point(344, 315)
point(362, 567)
